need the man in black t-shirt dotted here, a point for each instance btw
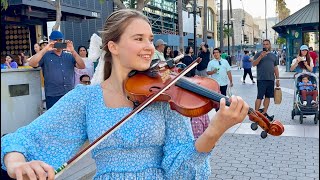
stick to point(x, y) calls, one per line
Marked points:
point(267, 73)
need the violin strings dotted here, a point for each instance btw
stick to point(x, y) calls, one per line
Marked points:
point(205, 92)
point(200, 90)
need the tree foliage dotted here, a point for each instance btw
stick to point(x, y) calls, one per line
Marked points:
point(282, 10)
point(4, 4)
point(281, 40)
point(227, 32)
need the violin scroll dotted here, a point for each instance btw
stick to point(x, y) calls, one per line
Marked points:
point(274, 128)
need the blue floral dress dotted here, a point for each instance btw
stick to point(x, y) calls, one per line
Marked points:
point(157, 143)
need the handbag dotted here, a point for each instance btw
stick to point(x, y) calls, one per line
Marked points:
point(277, 95)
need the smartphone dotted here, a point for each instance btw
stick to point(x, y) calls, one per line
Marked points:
point(60, 45)
point(264, 49)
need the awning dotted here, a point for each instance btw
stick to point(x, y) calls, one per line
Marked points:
point(308, 16)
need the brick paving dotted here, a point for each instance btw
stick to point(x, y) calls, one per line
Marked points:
point(245, 156)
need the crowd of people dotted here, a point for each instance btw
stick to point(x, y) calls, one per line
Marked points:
point(158, 143)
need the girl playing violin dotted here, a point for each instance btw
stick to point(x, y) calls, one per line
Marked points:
point(156, 143)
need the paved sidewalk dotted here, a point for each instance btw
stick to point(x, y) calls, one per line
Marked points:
point(282, 72)
point(242, 154)
point(248, 157)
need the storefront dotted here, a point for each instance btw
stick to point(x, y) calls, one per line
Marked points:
point(25, 22)
point(302, 27)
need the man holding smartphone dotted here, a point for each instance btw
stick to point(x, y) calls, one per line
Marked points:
point(267, 73)
point(57, 66)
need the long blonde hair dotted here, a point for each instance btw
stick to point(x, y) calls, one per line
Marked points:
point(114, 27)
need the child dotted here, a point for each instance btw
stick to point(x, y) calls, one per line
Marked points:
point(307, 88)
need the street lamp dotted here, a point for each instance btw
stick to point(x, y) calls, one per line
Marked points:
point(192, 8)
point(228, 25)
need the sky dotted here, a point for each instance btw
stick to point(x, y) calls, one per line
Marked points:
point(257, 7)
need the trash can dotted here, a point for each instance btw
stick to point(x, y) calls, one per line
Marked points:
point(21, 98)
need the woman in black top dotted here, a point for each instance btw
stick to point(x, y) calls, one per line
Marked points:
point(187, 60)
point(205, 56)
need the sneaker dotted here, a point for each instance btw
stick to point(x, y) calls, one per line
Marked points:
point(253, 82)
point(313, 102)
point(269, 117)
point(304, 103)
point(243, 82)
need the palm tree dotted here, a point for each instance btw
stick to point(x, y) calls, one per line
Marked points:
point(4, 4)
point(282, 10)
point(227, 32)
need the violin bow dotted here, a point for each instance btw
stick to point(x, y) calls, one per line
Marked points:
point(101, 138)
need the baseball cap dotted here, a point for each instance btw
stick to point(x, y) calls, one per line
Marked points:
point(42, 41)
point(304, 47)
point(56, 35)
point(159, 42)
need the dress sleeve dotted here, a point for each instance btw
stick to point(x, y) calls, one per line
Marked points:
point(55, 136)
point(181, 160)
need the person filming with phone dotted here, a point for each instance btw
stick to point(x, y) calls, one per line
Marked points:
point(303, 62)
point(267, 73)
point(57, 60)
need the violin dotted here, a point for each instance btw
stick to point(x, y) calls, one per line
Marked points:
point(189, 96)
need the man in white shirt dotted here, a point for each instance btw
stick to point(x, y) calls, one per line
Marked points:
point(220, 70)
point(158, 54)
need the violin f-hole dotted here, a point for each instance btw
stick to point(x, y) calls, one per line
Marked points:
point(154, 87)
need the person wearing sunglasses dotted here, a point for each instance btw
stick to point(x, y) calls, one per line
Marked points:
point(220, 70)
point(85, 79)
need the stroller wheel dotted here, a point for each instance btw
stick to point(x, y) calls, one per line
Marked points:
point(316, 118)
point(292, 114)
point(301, 118)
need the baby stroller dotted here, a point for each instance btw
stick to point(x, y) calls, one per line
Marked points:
point(298, 107)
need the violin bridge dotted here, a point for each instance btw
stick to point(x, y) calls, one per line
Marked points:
point(165, 76)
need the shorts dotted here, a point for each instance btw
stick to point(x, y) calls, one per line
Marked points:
point(265, 88)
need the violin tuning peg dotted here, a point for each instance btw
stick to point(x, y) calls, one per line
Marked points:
point(254, 126)
point(263, 134)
